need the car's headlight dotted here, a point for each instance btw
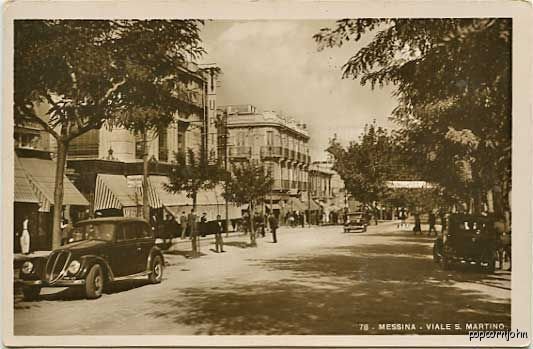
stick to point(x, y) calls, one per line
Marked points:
point(27, 267)
point(74, 267)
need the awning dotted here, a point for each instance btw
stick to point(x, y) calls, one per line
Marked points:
point(23, 189)
point(295, 204)
point(41, 175)
point(112, 191)
point(165, 197)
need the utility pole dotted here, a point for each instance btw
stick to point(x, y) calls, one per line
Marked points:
point(146, 207)
point(228, 176)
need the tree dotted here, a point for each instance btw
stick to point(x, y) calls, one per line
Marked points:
point(249, 183)
point(191, 173)
point(454, 110)
point(365, 165)
point(91, 73)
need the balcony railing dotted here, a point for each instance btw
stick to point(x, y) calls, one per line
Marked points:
point(277, 185)
point(292, 155)
point(285, 153)
point(271, 152)
point(286, 184)
point(240, 152)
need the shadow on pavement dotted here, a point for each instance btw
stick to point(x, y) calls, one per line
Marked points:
point(333, 293)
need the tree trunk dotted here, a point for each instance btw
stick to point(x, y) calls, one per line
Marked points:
point(58, 192)
point(194, 229)
point(253, 241)
point(146, 206)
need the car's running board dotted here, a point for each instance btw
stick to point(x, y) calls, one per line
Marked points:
point(132, 276)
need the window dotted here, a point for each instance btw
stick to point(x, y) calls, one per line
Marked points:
point(163, 146)
point(85, 145)
point(130, 231)
point(139, 146)
point(270, 138)
point(181, 141)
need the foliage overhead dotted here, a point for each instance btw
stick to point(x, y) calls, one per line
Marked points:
point(365, 165)
point(249, 183)
point(191, 173)
point(452, 78)
point(91, 72)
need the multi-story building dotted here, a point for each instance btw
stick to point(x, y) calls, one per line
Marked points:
point(280, 143)
point(108, 164)
point(188, 131)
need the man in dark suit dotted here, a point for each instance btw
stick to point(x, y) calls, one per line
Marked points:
point(220, 228)
point(273, 222)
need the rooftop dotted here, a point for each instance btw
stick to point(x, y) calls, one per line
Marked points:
point(247, 114)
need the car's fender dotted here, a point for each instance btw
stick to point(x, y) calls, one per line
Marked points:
point(154, 251)
point(88, 261)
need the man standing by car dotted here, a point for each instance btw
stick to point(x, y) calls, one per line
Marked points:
point(273, 222)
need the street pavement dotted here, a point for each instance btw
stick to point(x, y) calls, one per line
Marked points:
point(316, 280)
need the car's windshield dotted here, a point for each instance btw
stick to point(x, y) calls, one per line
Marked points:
point(90, 231)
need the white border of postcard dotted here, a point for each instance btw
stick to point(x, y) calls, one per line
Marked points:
point(520, 11)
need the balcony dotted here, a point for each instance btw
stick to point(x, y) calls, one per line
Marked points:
point(277, 185)
point(271, 152)
point(292, 155)
point(285, 184)
point(235, 152)
point(285, 153)
point(294, 184)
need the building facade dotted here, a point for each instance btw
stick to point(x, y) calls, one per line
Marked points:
point(280, 143)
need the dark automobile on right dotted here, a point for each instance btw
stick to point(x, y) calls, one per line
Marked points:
point(468, 240)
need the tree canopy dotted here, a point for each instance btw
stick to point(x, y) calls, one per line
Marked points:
point(249, 183)
point(94, 72)
point(453, 84)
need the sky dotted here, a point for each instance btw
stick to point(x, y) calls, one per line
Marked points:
point(275, 65)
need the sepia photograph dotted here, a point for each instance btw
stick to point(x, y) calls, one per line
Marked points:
point(264, 177)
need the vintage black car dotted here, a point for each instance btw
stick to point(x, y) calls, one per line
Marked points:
point(468, 240)
point(106, 250)
point(356, 222)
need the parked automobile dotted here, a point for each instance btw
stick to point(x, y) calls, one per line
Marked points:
point(468, 240)
point(356, 222)
point(107, 250)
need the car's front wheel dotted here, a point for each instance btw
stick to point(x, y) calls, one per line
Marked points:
point(156, 270)
point(31, 293)
point(94, 282)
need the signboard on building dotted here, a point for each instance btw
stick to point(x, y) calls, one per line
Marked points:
point(135, 181)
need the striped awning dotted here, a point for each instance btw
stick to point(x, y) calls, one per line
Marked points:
point(112, 191)
point(23, 189)
point(165, 197)
point(41, 175)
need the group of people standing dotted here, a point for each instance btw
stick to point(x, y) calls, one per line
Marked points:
point(189, 225)
point(261, 223)
point(295, 218)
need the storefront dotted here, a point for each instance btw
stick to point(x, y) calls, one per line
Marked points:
point(34, 198)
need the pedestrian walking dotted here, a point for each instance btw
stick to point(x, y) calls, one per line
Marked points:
point(273, 222)
point(220, 228)
point(183, 225)
point(443, 224)
point(432, 220)
point(302, 219)
point(25, 236)
point(246, 222)
point(418, 226)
